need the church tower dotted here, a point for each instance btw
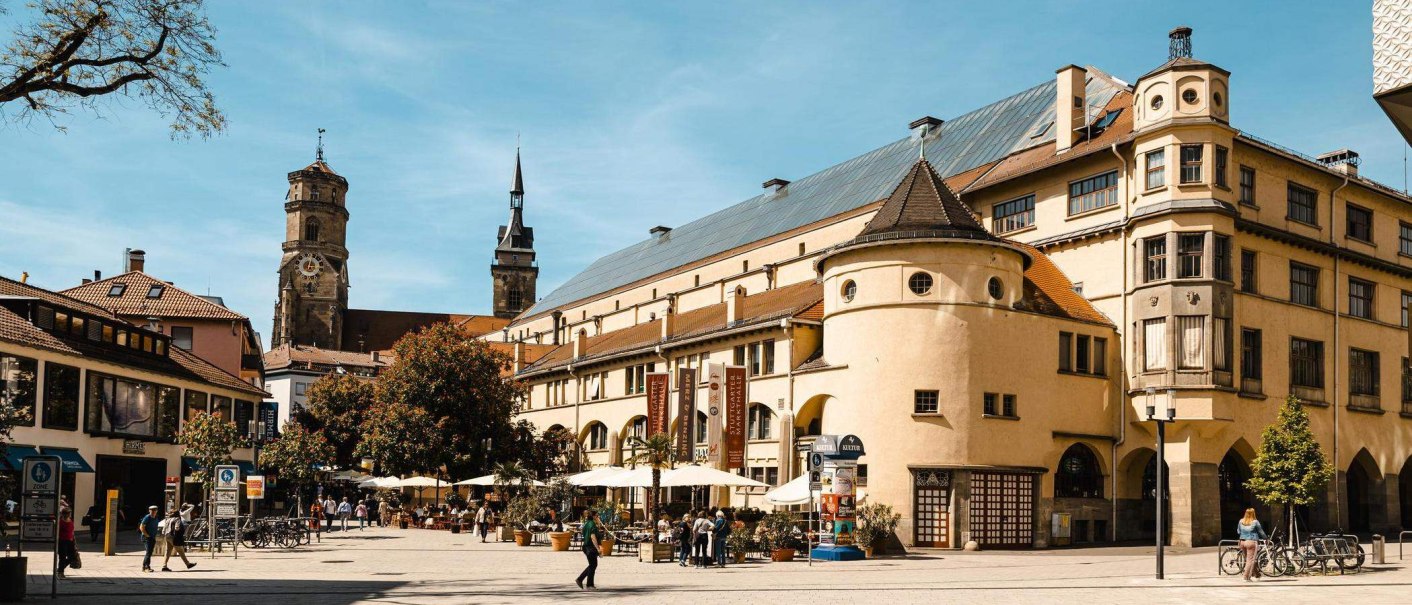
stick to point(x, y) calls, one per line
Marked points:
point(313, 273)
point(514, 272)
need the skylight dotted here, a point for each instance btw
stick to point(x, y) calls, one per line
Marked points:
point(117, 290)
point(1107, 119)
point(155, 291)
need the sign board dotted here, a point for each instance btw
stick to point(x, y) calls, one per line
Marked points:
point(269, 419)
point(227, 509)
point(816, 461)
point(255, 487)
point(735, 417)
point(658, 400)
point(715, 411)
point(41, 475)
point(686, 412)
point(133, 446)
point(37, 531)
point(227, 476)
point(816, 480)
point(227, 495)
point(38, 506)
point(825, 444)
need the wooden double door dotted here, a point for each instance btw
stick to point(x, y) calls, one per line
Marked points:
point(1002, 509)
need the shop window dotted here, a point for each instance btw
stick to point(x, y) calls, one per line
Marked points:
point(18, 384)
point(61, 396)
point(196, 403)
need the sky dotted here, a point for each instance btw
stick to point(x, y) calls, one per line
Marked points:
point(630, 115)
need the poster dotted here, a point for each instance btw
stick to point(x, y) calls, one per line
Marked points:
point(686, 413)
point(658, 384)
point(735, 417)
point(714, 411)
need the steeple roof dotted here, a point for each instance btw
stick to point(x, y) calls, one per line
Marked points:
point(519, 185)
point(922, 206)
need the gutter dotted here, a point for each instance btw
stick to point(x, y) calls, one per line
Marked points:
point(1123, 350)
point(1338, 512)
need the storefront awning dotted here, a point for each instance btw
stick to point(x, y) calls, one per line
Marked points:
point(15, 455)
point(190, 465)
point(73, 462)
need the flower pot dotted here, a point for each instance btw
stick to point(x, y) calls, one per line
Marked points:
point(739, 557)
point(559, 540)
point(868, 551)
point(605, 547)
point(522, 538)
point(12, 578)
point(455, 528)
point(876, 546)
point(782, 555)
point(402, 523)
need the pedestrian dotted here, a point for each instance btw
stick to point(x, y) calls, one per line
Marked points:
point(174, 536)
point(1250, 533)
point(483, 520)
point(719, 530)
point(316, 515)
point(188, 513)
point(345, 510)
point(384, 513)
point(94, 520)
point(148, 526)
point(362, 513)
point(68, 551)
point(590, 549)
point(330, 511)
point(701, 538)
point(681, 534)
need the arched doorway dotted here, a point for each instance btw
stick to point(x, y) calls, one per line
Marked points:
point(1231, 477)
point(1137, 496)
point(1360, 481)
point(1404, 486)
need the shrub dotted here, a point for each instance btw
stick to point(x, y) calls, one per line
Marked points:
point(876, 522)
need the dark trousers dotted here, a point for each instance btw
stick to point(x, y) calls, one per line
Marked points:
point(67, 552)
point(95, 529)
point(591, 553)
point(720, 547)
point(685, 551)
point(148, 544)
point(702, 541)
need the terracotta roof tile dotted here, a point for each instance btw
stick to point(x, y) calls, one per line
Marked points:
point(922, 203)
point(1049, 291)
point(376, 330)
point(293, 356)
point(133, 299)
point(1044, 156)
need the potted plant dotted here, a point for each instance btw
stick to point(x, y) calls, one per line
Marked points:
point(876, 522)
point(520, 513)
point(558, 495)
point(778, 536)
point(610, 517)
point(738, 542)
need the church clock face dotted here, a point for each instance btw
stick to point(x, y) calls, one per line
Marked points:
point(309, 265)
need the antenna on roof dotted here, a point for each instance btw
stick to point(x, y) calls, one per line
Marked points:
point(319, 154)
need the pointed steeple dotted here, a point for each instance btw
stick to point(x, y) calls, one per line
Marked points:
point(923, 206)
point(515, 235)
point(519, 186)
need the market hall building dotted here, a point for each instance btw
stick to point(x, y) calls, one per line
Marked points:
point(990, 321)
point(106, 395)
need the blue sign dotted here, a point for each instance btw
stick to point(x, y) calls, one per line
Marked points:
point(40, 473)
point(227, 476)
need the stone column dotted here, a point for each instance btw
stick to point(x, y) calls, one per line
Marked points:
point(1392, 506)
point(1194, 496)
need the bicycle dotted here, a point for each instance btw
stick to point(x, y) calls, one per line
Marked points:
point(1270, 560)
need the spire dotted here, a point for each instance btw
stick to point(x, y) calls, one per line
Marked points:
point(923, 206)
point(519, 185)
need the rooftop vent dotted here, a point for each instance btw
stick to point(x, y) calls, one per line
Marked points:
point(774, 185)
point(659, 231)
point(1344, 160)
point(925, 124)
point(1179, 44)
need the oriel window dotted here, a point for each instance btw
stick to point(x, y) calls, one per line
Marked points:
point(1155, 252)
point(1189, 252)
point(1156, 166)
point(1191, 163)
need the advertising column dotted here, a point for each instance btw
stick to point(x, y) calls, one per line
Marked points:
point(838, 506)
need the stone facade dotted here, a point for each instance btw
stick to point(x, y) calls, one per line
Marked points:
point(313, 272)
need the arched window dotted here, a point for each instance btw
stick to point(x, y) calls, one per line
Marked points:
point(1078, 475)
point(701, 421)
point(759, 425)
point(597, 436)
point(311, 229)
point(513, 298)
point(638, 428)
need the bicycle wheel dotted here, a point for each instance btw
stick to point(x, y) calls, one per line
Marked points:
point(1297, 563)
point(1273, 563)
point(1361, 555)
point(1233, 562)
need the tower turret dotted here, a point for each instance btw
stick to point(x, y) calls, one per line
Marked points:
point(313, 269)
point(513, 271)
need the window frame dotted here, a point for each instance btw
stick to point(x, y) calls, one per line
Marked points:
point(1311, 354)
point(1362, 298)
point(1247, 189)
point(1404, 238)
point(1006, 223)
point(1252, 353)
point(1295, 198)
point(1189, 163)
point(1366, 221)
point(1249, 275)
point(1221, 257)
point(1094, 197)
point(50, 384)
point(1296, 286)
point(1221, 159)
point(1154, 264)
point(1190, 258)
point(1364, 372)
point(1154, 169)
point(926, 398)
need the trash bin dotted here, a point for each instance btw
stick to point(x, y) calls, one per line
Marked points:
point(1379, 550)
point(12, 578)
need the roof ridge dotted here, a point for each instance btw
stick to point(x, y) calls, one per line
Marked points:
point(66, 297)
point(165, 284)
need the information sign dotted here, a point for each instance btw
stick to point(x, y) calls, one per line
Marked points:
point(227, 509)
point(39, 505)
point(41, 475)
point(255, 487)
point(227, 476)
point(37, 531)
point(227, 495)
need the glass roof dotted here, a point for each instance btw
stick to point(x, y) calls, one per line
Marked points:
point(976, 138)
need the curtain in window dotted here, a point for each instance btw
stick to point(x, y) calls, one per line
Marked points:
point(1220, 336)
point(1190, 335)
point(1154, 337)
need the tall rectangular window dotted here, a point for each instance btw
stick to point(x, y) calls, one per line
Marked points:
point(1066, 352)
point(1249, 272)
point(1155, 255)
point(1189, 250)
point(1221, 343)
point(1251, 354)
point(1303, 204)
point(989, 404)
point(1247, 185)
point(1100, 356)
point(61, 396)
point(739, 358)
point(1007, 406)
point(1404, 239)
point(19, 379)
point(1362, 372)
point(1191, 163)
point(1360, 298)
point(1156, 166)
point(1221, 256)
point(1093, 193)
point(1359, 225)
point(767, 364)
point(1154, 344)
point(1081, 354)
point(1191, 342)
point(1406, 384)
point(1303, 284)
point(1222, 158)
point(1406, 300)
point(1013, 215)
point(755, 358)
point(1306, 363)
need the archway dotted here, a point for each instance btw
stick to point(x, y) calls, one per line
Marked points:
point(1231, 477)
point(1361, 479)
point(1404, 487)
point(1137, 493)
point(1078, 474)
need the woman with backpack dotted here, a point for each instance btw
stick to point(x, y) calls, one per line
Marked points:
point(174, 532)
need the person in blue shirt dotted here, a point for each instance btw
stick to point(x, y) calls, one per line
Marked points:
point(1250, 533)
point(149, 528)
point(719, 531)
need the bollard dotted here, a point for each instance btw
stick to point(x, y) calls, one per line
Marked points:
point(1379, 550)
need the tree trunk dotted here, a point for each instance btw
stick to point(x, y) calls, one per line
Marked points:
point(652, 496)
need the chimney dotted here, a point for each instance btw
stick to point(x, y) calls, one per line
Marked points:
point(24, 277)
point(376, 357)
point(775, 185)
point(87, 281)
point(925, 125)
point(735, 305)
point(659, 230)
point(1343, 161)
point(1069, 112)
point(1179, 43)
point(519, 357)
point(558, 319)
point(669, 317)
point(579, 344)
point(136, 260)
point(97, 275)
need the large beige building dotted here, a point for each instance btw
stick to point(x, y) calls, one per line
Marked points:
point(994, 321)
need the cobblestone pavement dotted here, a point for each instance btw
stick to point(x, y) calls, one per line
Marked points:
point(421, 566)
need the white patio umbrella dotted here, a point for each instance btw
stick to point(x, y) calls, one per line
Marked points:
point(379, 483)
point(588, 477)
point(638, 477)
point(694, 474)
point(420, 482)
point(487, 480)
point(789, 494)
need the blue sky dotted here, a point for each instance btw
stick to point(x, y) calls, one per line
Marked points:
point(632, 114)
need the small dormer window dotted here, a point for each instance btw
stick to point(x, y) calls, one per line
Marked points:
point(117, 290)
point(155, 291)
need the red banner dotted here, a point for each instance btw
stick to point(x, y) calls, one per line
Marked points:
point(735, 417)
point(657, 410)
point(686, 414)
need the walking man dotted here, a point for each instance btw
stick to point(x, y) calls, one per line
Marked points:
point(483, 520)
point(150, 531)
point(345, 510)
point(330, 510)
point(174, 534)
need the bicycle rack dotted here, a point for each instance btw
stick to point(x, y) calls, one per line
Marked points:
point(1227, 545)
point(1400, 537)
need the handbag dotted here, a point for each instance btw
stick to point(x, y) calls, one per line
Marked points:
point(77, 563)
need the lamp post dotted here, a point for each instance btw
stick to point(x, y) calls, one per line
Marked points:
point(1161, 420)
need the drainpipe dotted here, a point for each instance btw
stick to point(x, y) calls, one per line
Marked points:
point(1338, 507)
point(1123, 348)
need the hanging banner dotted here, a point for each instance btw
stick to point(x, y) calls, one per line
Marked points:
point(686, 413)
point(735, 417)
point(657, 402)
point(714, 411)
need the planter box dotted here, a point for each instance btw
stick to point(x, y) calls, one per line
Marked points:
point(559, 540)
point(507, 533)
point(606, 547)
point(12, 578)
point(655, 551)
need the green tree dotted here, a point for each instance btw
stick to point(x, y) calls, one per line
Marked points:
point(548, 454)
point(1290, 470)
point(209, 439)
point(294, 454)
point(463, 385)
point(336, 405)
point(11, 415)
point(656, 451)
point(79, 53)
point(401, 439)
point(511, 480)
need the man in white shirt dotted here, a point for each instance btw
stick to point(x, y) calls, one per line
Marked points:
point(330, 511)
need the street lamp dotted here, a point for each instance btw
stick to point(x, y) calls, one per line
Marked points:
point(1162, 420)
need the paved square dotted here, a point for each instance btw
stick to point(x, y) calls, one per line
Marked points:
point(421, 566)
